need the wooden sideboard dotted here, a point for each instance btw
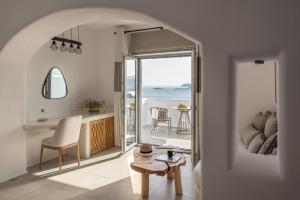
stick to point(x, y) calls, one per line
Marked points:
point(101, 135)
point(96, 134)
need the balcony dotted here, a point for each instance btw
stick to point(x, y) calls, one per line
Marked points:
point(161, 135)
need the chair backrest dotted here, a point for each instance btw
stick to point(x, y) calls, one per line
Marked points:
point(67, 131)
point(163, 113)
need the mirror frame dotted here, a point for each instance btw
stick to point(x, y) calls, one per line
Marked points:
point(50, 70)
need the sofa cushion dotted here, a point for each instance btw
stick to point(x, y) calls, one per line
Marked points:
point(271, 126)
point(256, 143)
point(267, 144)
point(260, 120)
point(248, 134)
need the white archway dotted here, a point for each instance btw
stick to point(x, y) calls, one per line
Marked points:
point(27, 41)
point(16, 55)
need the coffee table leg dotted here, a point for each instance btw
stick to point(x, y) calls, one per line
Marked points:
point(178, 185)
point(145, 185)
point(171, 174)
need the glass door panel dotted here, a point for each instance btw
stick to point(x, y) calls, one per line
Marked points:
point(130, 99)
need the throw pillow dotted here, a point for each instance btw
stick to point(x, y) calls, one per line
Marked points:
point(248, 135)
point(266, 145)
point(274, 152)
point(255, 144)
point(272, 146)
point(268, 114)
point(271, 126)
point(260, 121)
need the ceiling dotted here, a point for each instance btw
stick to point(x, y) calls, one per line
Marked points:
point(131, 24)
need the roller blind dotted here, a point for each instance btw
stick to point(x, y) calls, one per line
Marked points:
point(158, 41)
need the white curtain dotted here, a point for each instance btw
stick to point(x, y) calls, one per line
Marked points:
point(198, 104)
point(121, 51)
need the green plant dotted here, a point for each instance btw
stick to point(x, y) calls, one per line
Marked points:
point(91, 103)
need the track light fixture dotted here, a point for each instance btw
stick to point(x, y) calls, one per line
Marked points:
point(53, 46)
point(78, 49)
point(71, 47)
point(63, 47)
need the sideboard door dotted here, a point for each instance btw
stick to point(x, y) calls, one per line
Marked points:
point(109, 130)
point(101, 135)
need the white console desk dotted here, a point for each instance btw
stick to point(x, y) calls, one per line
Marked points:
point(36, 131)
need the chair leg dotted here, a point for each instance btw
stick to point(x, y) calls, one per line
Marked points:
point(60, 159)
point(62, 156)
point(41, 156)
point(170, 126)
point(78, 155)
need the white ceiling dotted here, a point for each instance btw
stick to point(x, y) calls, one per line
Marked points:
point(113, 22)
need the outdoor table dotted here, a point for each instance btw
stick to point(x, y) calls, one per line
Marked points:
point(184, 122)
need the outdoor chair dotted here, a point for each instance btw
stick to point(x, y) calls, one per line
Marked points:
point(160, 115)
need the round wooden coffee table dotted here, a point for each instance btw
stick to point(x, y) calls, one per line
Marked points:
point(146, 165)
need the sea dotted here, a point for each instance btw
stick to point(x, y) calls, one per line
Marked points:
point(167, 92)
point(178, 92)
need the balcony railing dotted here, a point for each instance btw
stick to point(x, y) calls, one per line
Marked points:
point(170, 104)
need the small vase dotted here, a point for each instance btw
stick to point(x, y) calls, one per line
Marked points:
point(94, 110)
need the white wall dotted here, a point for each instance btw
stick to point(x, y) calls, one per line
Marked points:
point(228, 30)
point(89, 74)
point(256, 91)
point(106, 58)
point(72, 67)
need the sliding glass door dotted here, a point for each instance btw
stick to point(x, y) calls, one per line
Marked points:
point(130, 103)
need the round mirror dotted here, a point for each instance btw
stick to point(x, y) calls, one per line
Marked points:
point(55, 86)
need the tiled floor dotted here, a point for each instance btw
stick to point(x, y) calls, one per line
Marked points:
point(106, 176)
point(161, 136)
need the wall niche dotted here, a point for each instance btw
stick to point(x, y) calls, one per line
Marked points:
point(257, 106)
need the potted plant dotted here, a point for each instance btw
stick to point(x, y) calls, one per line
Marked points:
point(94, 106)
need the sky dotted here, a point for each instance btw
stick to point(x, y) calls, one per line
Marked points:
point(166, 71)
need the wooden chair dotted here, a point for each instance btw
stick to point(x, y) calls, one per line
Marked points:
point(66, 136)
point(162, 116)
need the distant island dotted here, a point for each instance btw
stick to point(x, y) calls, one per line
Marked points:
point(166, 92)
point(184, 86)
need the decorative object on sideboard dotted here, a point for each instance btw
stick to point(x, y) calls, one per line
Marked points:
point(43, 116)
point(93, 106)
point(63, 47)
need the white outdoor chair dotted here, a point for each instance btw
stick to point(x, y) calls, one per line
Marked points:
point(66, 136)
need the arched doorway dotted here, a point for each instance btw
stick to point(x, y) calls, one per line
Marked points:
point(17, 53)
